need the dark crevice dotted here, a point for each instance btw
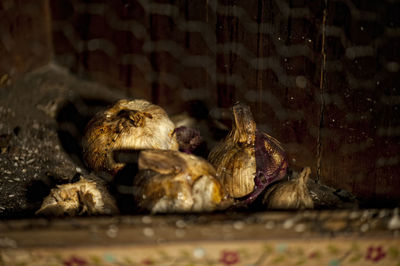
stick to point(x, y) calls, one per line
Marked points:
point(322, 91)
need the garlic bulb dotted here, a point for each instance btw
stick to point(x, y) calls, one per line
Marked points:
point(292, 194)
point(247, 160)
point(83, 197)
point(135, 124)
point(173, 181)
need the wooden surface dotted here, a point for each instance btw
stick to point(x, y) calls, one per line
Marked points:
point(367, 237)
point(227, 226)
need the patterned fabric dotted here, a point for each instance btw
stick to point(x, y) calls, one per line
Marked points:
point(332, 252)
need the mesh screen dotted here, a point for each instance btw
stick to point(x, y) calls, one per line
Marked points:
point(322, 77)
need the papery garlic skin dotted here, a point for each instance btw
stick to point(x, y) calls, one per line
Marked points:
point(206, 194)
point(83, 197)
point(234, 157)
point(136, 124)
point(235, 166)
point(289, 195)
point(172, 181)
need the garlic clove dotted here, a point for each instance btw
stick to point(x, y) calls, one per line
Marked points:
point(161, 193)
point(173, 181)
point(168, 161)
point(206, 193)
point(136, 124)
point(83, 197)
point(292, 194)
point(162, 162)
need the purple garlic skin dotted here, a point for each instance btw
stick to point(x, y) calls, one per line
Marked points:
point(271, 163)
point(248, 160)
point(188, 138)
